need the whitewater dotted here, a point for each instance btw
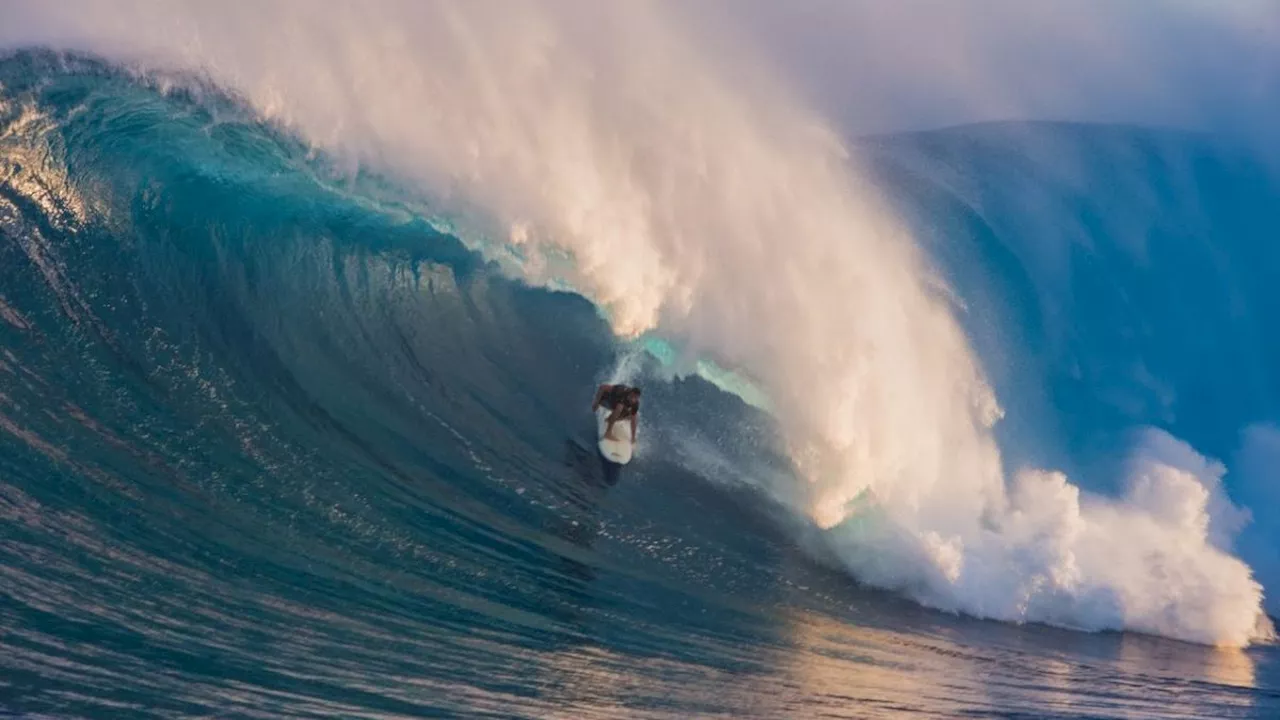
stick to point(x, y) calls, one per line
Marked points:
point(280, 269)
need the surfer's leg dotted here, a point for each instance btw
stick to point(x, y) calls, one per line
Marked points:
point(608, 430)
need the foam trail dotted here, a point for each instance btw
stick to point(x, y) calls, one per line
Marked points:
point(689, 194)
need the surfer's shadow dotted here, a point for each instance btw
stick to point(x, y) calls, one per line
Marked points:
point(590, 469)
point(570, 571)
point(592, 478)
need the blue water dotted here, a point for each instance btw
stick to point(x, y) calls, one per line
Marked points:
point(271, 445)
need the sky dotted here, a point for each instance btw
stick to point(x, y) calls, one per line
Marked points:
point(875, 66)
point(918, 64)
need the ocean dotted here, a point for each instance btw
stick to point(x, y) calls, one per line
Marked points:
point(287, 436)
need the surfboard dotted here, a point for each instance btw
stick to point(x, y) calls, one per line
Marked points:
point(619, 450)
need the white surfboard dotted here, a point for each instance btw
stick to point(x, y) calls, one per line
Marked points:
point(617, 450)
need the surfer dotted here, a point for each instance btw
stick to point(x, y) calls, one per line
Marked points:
point(623, 403)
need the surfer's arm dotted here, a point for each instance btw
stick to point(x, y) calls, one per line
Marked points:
point(595, 404)
point(633, 429)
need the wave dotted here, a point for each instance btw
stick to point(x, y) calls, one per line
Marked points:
point(613, 157)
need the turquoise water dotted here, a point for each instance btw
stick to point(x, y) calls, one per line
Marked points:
point(272, 444)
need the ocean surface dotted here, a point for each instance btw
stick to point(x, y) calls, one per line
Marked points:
point(278, 440)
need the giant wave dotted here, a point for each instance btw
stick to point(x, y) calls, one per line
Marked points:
point(955, 331)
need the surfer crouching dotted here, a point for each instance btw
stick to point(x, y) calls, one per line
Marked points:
point(623, 403)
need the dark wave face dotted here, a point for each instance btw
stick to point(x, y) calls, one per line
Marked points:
point(273, 445)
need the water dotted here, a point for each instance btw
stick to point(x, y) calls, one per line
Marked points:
point(273, 443)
